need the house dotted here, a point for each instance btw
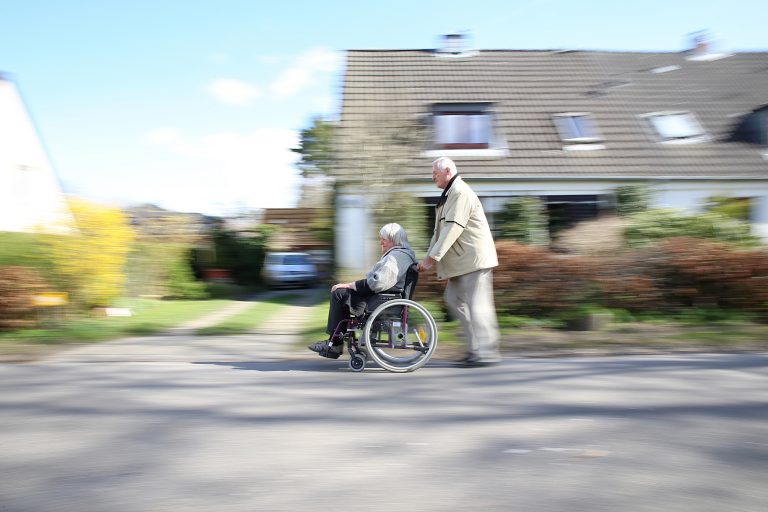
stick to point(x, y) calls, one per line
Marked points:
point(566, 126)
point(31, 198)
point(298, 229)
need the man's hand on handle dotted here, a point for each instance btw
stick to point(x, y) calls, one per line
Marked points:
point(426, 264)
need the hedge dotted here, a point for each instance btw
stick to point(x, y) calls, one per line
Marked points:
point(669, 276)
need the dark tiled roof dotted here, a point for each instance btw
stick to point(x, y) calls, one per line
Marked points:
point(388, 94)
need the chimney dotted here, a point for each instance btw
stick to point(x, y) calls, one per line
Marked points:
point(700, 42)
point(454, 45)
point(702, 46)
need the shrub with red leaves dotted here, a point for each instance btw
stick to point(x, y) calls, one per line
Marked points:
point(673, 274)
point(532, 280)
point(17, 287)
point(627, 282)
point(695, 272)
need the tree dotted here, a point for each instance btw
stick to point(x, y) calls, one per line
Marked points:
point(315, 148)
point(242, 253)
point(407, 210)
point(159, 264)
point(89, 263)
point(316, 151)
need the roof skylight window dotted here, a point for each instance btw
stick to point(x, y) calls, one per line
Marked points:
point(578, 130)
point(577, 127)
point(676, 127)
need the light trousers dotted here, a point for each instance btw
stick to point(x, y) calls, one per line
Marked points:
point(469, 298)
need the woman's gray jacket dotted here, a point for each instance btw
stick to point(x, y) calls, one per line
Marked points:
point(388, 274)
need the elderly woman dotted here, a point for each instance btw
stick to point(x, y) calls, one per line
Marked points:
point(386, 276)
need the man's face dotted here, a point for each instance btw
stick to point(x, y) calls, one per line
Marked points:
point(441, 178)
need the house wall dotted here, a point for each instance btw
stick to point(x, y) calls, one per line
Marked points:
point(353, 233)
point(356, 239)
point(692, 196)
point(30, 195)
point(760, 217)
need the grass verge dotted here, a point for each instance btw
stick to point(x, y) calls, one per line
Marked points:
point(250, 318)
point(148, 316)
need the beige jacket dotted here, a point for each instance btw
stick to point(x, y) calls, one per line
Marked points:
point(462, 241)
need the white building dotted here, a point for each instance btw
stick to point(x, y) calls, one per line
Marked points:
point(569, 127)
point(31, 197)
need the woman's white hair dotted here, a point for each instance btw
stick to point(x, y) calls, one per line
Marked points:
point(396, 234)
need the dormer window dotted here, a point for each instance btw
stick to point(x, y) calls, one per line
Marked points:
point(463, 125)
point(578, 130)
point(753, 127)
point(676, 127)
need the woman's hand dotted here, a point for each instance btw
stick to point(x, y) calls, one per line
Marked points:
point(351, 286)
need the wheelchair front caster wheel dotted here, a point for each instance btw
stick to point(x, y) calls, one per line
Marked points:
point(357, 362)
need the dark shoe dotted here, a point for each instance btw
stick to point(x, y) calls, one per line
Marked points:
point(327, 349)
point(469, 362)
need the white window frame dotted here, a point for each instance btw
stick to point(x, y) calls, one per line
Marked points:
point(582, 141)
point(675, 127)
point(477, 119)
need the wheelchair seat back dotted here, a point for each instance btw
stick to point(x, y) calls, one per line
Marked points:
point(411, 278)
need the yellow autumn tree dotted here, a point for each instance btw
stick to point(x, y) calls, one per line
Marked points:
point(89, 263)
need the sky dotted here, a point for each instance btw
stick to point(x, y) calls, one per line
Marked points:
point(194, 105)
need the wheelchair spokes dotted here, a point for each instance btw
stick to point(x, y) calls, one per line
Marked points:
point(400, 335)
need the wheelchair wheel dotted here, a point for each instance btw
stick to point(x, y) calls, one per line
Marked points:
point(400, 335)
point(357, 362)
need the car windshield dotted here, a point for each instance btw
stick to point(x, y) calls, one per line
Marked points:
point(296, 259)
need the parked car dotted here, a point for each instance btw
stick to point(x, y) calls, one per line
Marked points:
point(284, 269)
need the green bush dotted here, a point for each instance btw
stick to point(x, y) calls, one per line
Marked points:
point(648, 227)
point(181, 281)
point(632, 199)
point(241, 253)
point(157, 269)
point(734, 207)
point(20, 249)
point(525, 220)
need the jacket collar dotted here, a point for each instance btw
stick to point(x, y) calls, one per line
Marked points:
point(444, 195)
point(401, 249)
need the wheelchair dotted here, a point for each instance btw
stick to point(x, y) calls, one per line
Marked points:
point(395, 332)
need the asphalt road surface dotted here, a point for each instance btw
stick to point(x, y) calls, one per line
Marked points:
point(179, 423)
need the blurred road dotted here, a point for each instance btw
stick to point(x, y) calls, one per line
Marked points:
point(178, 423)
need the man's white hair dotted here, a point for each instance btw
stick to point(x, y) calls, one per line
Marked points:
point(444, 163)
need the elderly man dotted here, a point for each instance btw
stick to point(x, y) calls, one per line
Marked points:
point(463, 251)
